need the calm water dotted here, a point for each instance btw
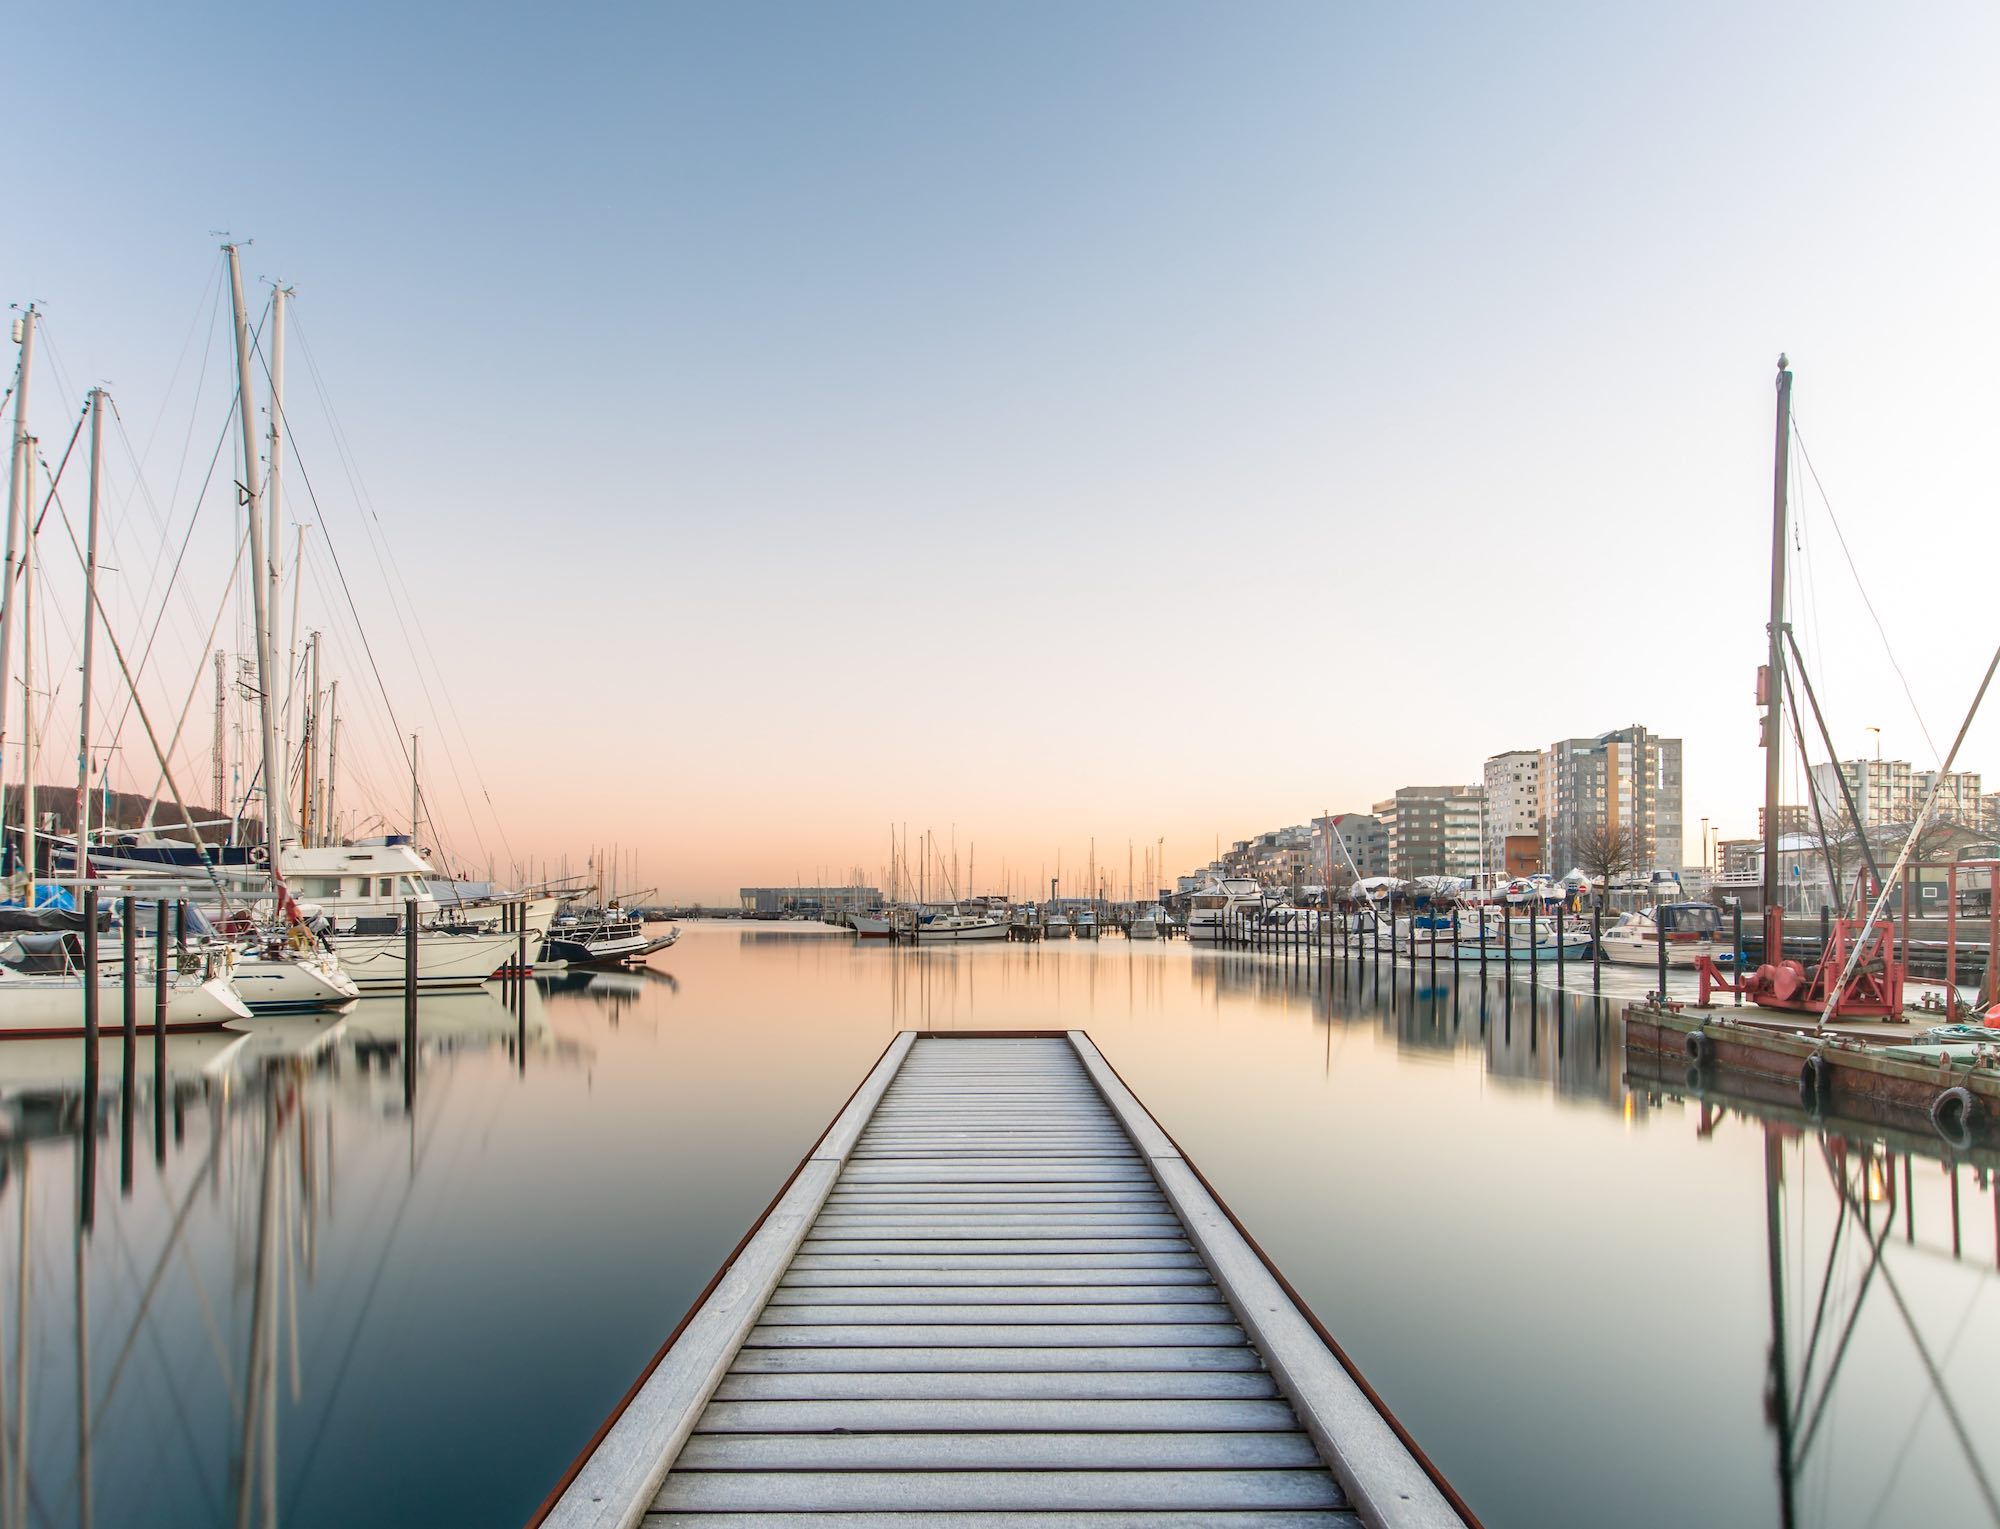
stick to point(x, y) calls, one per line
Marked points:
point(1565, 1286)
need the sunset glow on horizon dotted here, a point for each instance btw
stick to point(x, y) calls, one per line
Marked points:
point(744, 432)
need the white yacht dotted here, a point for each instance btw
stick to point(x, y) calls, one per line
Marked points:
point(1693, 930)
point(1219, 903)
point(1145, 924)
point(1055, 926)
point(1524, 939)
point(943, 928)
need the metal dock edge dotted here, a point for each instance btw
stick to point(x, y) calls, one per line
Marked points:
point(997, 1293)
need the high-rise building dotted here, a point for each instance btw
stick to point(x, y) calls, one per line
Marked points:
point(1621, 787)
point(1433, 830)
point(1513, 801)
point(1355, 844)
point(1889, 791)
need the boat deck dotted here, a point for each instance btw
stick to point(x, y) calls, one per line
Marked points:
point(996, 1294)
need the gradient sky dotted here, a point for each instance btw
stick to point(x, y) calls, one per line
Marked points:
point(1128, 420)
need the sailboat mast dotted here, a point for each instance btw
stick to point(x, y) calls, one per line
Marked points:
point(220, 758)
point(20, 485)
point(309, 748)
point(260, 577)
point(1774, 700)
point(89, 631)
point(28, 698)
point(275, 476)
point(332, 762)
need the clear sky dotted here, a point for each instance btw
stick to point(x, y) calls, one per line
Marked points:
point(1131, 420)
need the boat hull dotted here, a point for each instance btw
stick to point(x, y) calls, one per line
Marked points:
point(38, 1008)
point(288, 986)
point(1647, 952)
point(375, 961)
point(968, 935)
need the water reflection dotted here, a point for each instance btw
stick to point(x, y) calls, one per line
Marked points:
point(310, 1275)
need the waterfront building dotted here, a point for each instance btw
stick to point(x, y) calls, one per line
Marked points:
point(1793, 819)
point(1433, 830)
point(1624, 784)
point(1364, 839)
point(1889, 791)
point(1513, 782)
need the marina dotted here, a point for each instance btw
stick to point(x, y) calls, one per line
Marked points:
point(584, 609)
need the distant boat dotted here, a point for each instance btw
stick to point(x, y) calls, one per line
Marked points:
point(955, 926)
point(1221, 901)
point(1145, 924)
point(1084, 925)
point(1055, 927)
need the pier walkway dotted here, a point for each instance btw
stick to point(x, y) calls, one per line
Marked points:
point(996, 1294)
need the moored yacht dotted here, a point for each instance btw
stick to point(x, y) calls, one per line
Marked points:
point(955, 926)
point(1693, 930)
point(1219, 903)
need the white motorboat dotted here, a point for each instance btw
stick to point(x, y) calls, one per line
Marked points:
point(870, 926)
point(1084, 925)
point(1145, 925)
point(1216, 907)
point(955, 926)
point(1055, 927)
point(1521, 939)
point(1693, 930)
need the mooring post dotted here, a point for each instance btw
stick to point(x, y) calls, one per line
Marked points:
point(128, 1054)
point(160, 1031)
point(87, 1206)
point(1597, 945)
point(1737, 920)
point(1562, 964)
point(409, 1001)
point(1507, 941)
point(1482, 948)
point(1660, 937)
point(521, 949)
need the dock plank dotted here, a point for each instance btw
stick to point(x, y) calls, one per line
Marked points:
point(1089, 1450)
point(899, 1491)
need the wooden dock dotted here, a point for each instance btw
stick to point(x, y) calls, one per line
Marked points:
point(996, 1293)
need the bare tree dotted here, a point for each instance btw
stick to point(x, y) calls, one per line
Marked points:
point(1837, 837)
point(1605, 853)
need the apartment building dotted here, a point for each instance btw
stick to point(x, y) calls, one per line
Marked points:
point(1433, 830)
point(1625, 783)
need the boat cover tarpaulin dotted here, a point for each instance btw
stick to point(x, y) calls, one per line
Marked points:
point(14, 919)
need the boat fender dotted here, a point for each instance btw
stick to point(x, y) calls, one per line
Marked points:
point(1815, 1083)
point(1953, 1113)
point(1698, 1048)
